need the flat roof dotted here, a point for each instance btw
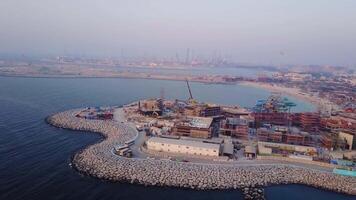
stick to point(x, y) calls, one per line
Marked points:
point(184, 143)
point(235, 110)
point(236, 121)
point(210, 140)
point(199, 122)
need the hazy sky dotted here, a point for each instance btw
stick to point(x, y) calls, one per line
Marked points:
point(250, 31)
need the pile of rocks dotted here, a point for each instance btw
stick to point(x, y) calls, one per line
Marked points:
point(98, 160)
point(253, 193)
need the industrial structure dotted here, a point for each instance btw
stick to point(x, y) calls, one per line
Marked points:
point(190, 147)
point(199, 127)
point(189, 127)
point(151, 107)
point(234, 127)
point(274, 110)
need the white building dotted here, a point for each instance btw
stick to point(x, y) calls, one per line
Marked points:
point(183, 146)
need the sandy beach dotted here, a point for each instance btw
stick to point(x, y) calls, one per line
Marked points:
point(295, 92)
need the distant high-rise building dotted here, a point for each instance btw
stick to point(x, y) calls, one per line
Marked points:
point(187, 58)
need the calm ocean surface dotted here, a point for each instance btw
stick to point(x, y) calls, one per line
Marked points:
point(35, 157)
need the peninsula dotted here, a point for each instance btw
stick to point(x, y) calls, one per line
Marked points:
point(218, 157)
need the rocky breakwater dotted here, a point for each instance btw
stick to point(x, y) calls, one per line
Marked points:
point(254, 193)
point(99, 161)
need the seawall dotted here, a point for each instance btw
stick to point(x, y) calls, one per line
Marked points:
point(99, 161)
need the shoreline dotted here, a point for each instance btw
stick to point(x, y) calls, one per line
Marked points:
point(199, 79)
point(97, 160)
point(294, 92)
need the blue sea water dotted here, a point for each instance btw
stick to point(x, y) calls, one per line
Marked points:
point(298, 192)
point(35, 157)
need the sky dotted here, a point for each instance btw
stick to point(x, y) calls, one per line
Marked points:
point(246, 31)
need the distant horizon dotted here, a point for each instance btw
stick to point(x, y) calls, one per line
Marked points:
point(274, 32)
point(25, 57)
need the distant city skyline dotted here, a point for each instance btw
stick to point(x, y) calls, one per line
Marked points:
point(258, 32)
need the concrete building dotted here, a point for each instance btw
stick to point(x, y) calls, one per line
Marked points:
point(210, 111)
point(192, 111)
point(310, 121)
point(234, 112)
point(202, 110)
point(227, 147)
point(199, 127)
point(350, 155)
point(349, 138)
point(294, 139)
point(234, 127)
point(151, 107)
point(262, 150)
point(326, 141)
point(250, 152)
point(270, 147)
point(281, 134)
point(183, 146)
point(265, 135)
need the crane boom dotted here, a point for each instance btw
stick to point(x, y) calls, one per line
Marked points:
point(190, 92)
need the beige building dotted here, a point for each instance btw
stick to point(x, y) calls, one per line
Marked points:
point(267, 148)
point(348, 137)
point(183, 146)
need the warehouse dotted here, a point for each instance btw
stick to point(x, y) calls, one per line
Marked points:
point(183, 146)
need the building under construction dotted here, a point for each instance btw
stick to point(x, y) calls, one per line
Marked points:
point(234, 112)
point(326, 141)
point(281, 134)
point(198, 127)
point(234, 127)
point(151, 107)
point(202, 110)
point(275, 110)
point(265, 135)
point(310, 121)
point(271, 118)
point(338, 122)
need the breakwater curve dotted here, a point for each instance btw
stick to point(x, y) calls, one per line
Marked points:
point(98, 160)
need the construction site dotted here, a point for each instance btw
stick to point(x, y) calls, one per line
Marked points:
point(192, 128)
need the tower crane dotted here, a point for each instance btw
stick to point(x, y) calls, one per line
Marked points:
point(190, 92)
